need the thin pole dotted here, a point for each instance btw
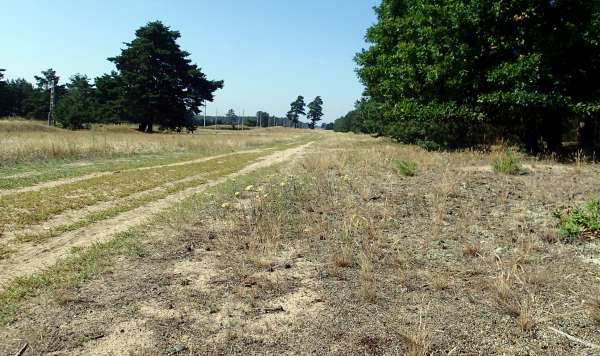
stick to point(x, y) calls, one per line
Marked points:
point(215, 120)
point(204, 113)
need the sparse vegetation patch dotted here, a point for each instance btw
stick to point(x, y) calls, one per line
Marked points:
point(405, 168)
point(580, 223)
point(507, 162)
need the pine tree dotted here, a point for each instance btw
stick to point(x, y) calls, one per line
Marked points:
point(77, 107)
point(161, 85)
point(315, 111)
point(297, 108)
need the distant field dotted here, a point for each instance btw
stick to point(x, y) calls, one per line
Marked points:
point(23, 141)
point(279, 240)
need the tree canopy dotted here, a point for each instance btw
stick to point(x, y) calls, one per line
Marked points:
point(161, 85)
point(315, 111)
point(455, 73)
point(297, 108)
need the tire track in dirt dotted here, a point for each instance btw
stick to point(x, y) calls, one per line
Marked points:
point(35, 258)
point(59, 182)
point(72, 216)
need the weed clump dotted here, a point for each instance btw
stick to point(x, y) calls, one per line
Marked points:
point(405, 168)
point(507, 162)
point(580, 223)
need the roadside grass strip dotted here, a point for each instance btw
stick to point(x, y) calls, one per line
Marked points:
point(38, 206)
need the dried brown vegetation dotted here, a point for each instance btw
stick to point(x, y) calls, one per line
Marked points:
point(337, 253)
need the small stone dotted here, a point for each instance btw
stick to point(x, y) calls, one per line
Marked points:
point(176, 349)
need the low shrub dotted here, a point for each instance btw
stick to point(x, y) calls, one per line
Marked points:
point(507, 162)
point(406, 168)
point(580, 223)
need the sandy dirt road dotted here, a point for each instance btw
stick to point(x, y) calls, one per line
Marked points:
point(33, 258)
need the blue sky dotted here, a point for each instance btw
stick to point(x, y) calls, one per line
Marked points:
point(267, 51)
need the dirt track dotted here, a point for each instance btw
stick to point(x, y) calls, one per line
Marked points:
point(59, 182)
point(33, 258)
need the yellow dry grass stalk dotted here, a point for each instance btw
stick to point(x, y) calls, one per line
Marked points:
point(419, 342)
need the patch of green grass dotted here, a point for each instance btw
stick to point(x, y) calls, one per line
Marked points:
point(405, 168)
point(580, 223)
point(507, 162)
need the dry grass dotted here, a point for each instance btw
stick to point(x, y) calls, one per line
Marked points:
point(593, 307)
point(337, 254)
point(26, 141)
point(368, 285)
point(418, 343)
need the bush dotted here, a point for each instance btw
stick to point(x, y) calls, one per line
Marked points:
point(580, 223)
point(75, 110)
point(406, 168)
point(507, 162)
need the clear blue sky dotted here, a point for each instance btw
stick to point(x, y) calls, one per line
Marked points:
point(267, 51)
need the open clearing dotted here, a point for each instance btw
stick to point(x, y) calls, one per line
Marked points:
point(292, 241)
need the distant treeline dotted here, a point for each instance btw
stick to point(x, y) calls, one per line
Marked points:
point(450, 74)
point(248, 121)
point(154, 84)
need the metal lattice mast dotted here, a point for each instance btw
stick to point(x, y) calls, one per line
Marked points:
point(52, 101)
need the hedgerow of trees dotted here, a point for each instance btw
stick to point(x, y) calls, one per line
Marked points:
point(459, 73)
point(155, 84)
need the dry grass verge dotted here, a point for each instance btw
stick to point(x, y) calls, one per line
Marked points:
point(338, 254)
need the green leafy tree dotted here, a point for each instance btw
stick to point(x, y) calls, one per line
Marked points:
point(161, 85)
point(47, 78)
point(77, 107)
point(297, 108)
point(454, 73)
point(315, 111)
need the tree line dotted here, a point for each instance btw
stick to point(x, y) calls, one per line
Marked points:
point(462, 73)
point(155, 83)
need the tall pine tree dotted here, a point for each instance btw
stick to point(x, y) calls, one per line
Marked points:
point(161, 85)
point(315, 111)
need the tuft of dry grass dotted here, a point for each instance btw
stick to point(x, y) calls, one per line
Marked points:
point(367, 278)
point(419, 342)
point(593, 308)
point(505, 296)
point(526, 320)
point(472, 249)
